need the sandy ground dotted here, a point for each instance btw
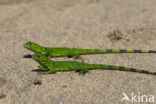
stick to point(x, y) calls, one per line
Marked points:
point(106, 24)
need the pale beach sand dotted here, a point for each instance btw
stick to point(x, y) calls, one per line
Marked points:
point(103, 24)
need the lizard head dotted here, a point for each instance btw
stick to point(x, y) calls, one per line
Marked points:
point(40, 58)
point(35, 47)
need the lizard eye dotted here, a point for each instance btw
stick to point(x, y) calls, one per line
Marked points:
point(30, 44)
point(38, 57)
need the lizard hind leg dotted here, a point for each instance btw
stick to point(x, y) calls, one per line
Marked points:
point(82, 71)
point(74, 56)
point(78, 57)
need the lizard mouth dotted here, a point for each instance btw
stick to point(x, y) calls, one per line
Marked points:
point(25, 45)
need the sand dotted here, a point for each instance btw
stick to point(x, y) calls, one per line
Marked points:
point(113, 24)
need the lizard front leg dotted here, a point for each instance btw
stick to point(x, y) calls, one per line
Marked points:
point(51, 70)
point(40, 67)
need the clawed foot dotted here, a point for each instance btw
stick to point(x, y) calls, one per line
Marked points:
point(82, 72)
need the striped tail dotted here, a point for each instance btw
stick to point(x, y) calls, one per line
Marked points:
point(102, 51)
point(121, 68)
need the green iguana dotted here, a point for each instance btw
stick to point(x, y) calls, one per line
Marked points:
point(74, 52)
point(57, 66)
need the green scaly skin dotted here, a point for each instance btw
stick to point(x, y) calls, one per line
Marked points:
point(57, 66)
point(75, 52)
